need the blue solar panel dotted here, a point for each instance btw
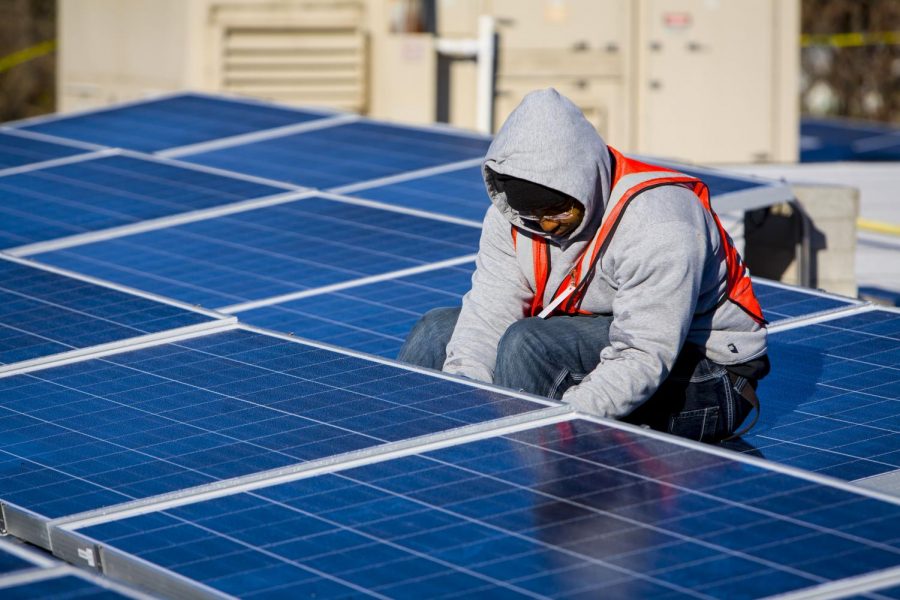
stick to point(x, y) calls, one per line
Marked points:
point(108, 192)
point(43, 313)
point(891, 592)
point(722, 184)
point(576, 510)
point(456, 193)
point(373, 318)
point(11, 562)
point(781, 302)
point(16, 150)
point(832, 401)
point(140, 423)
point(837, 140)
point(270, 251)
point(344, 154)
point(171, 122)
point(68, 587)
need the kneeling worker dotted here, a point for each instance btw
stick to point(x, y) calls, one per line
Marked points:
point(602, 281)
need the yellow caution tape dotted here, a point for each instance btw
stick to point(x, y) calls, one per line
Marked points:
point(851, 40)
point(21, 56)
point(877, 227)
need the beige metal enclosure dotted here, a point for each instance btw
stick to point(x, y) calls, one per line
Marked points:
point(702, 80)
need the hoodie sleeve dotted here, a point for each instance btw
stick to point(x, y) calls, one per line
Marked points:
point(499, 297)
point(657, 266)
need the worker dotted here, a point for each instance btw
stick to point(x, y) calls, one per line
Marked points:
point(602, 281)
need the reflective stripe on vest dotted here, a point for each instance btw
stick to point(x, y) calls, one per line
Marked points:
point(630, 179)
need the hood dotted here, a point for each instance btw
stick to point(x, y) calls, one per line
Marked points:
point(547, 140)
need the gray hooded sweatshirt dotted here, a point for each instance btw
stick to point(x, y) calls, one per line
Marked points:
point(662, 276)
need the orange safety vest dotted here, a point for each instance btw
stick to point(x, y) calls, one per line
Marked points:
point(630, 179)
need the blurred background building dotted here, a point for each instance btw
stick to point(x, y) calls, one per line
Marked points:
point(654, 76)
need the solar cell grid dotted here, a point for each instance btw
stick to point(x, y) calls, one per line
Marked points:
point(832, 402)
point(171, 122)
point(344, 154)
point(458, 193)
point(44, 313)
point(780, 302)
point(575, 510)
point(373, 318)
point(271, 251)
point(107, 192)
point(16, 150)
point(168, 417)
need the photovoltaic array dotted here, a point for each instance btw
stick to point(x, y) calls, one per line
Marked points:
point(190, 452)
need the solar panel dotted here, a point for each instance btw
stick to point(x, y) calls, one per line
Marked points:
point(110, 191)
point(573, 510)
point(18, 150)
point(780, 302)
point(170, 122)
point(830, 404)
point(270, 251)
point(143, 422)
point(65, 587)
point(458, 193)
point(373, 318)
point(26, 574)
point(14, 558)
point(732, 191)
point(343, 154)
point(839, 140)
point(43, 313)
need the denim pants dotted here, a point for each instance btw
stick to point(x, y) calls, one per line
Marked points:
point(699, 400)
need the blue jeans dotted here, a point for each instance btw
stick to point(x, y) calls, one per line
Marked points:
point(699, 400)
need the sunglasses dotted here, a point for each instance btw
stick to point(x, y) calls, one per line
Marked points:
point(562, 217)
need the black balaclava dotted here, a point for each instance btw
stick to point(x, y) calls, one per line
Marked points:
point(525, 197)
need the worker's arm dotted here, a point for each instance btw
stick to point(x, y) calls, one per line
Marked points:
point(656, 260)
point(499, 296)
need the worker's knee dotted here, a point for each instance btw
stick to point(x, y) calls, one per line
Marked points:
point(426, 344)
point(521, 345)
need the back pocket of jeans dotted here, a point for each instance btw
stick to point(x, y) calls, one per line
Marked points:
point(697, 424)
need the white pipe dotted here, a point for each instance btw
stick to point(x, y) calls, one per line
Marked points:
point(485, 60)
